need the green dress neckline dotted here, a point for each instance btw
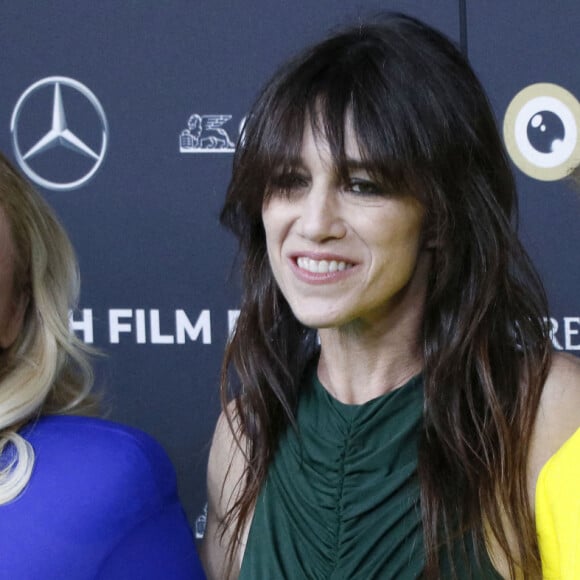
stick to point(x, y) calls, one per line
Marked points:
point(341, 499)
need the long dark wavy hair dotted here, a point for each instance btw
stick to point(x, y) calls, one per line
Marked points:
point(424, 124)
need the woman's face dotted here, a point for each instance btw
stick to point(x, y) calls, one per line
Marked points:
point(11, 306)
point(343, 252)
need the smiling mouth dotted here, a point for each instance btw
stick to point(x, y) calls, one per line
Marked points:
point(322, 266)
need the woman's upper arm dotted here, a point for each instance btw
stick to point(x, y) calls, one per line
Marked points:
point(134, 513)
point(557, 500)
point(558, 416)
point(159, 547)
point(224, 479)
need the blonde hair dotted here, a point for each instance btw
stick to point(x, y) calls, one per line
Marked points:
point(46, 370)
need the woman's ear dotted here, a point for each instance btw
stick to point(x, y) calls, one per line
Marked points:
point(430, 238)
point(431, 241)
point(431, 244)
point(13, 324)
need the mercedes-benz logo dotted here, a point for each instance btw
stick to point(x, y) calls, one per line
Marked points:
point(59, 135)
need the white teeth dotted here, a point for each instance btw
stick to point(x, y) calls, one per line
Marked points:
point(321, 266)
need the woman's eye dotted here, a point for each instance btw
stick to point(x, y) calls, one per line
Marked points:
point(288, 182)
point(364, 187)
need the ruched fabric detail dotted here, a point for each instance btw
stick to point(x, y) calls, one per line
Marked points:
point(341, 500)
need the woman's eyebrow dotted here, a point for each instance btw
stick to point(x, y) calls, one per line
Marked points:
point(352, 165)
point(289, 164)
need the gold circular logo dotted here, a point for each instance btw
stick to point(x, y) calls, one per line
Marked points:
point(541, 130)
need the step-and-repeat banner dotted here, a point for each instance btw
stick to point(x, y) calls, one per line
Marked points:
point(125, 114)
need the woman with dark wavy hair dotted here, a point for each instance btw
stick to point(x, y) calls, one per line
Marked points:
point(390, 396)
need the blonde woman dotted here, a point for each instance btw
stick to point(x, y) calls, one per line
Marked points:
point(80, 498)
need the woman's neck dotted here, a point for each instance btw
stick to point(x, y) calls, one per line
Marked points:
point(357, 365)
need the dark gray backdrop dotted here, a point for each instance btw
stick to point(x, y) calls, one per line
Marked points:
point(146, 226)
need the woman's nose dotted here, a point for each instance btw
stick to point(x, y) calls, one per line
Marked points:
point(321, 217)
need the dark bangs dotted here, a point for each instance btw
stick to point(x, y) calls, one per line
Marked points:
point(418, 112)
point(341, 82)
point(404, 95)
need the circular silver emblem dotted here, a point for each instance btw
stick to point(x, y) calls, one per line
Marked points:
point(59, 135)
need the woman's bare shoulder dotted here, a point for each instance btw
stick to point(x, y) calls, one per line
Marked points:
point(225, 472)
point(558, 415)
point(559, 409)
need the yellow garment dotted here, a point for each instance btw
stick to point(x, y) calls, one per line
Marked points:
point(558, 512)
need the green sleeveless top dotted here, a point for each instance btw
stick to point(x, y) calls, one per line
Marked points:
point(341, 499)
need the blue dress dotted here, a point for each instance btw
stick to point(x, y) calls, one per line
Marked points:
point(101, 505)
